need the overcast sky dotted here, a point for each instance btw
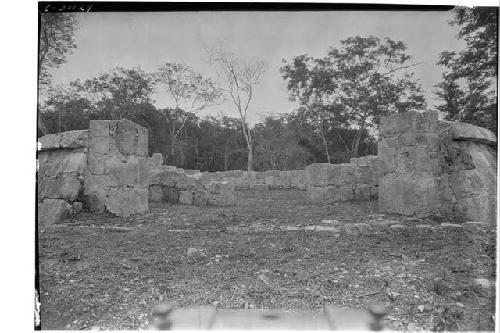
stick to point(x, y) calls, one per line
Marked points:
point(106, 40)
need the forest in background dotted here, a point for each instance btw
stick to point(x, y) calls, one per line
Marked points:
point(340, 97)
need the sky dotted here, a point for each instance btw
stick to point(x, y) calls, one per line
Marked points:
point(148, 40)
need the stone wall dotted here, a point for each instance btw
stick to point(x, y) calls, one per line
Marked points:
point(117, 174)
point(431, 167)
point(271, 179)
point(62, 161)
point(328, 183)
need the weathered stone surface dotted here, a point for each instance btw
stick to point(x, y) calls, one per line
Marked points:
point(468, 132)
point(259, 187)
point(65, 186)
point(53, 163)
point(186, 197)
point(317, 174)
point(408, 196)
point(433, 167)
point(49, 141)
point(222, 193)
point(155, 193)
point(74, 139)
point(171, 194)
point(125, 201)
point(52, 211)
point(99, 128)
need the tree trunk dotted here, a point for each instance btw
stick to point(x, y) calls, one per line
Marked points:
point(325, 144)
point(356, 143)
point(250, 156)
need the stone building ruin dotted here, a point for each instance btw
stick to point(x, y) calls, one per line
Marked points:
point(424, 167)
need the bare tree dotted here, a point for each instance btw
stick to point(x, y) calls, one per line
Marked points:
point(190, 93)
point(240, 76)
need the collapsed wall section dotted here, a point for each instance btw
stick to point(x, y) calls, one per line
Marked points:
point(431, 167)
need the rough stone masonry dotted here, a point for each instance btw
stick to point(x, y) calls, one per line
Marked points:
point(431, 167)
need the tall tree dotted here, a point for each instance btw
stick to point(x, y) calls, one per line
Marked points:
point(469, 86)
point(117, 93)
point(56, 41)
point(189, 91)
point(355, 85)
point(240, 78)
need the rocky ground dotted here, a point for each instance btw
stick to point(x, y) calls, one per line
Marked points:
point(270, 251)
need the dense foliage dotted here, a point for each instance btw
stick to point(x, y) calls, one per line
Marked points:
point(469, 86)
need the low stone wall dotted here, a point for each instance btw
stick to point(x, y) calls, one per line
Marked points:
point(328, 183)
point(432, 167)
point(271, 179)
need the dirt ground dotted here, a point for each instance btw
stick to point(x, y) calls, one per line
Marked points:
point(96, 277)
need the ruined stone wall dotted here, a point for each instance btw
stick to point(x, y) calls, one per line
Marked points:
point(431, 167)
point(271, 179)
point(62, 161)
point(117, 174)
point(328, 183)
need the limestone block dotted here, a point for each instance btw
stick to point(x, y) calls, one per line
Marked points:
point(93, 184)
point(187, 182)
point(171, 194)
point(409, 195)
point(169, 178)
point(298, 179)
point(49, 141)
point(468, 132)
point(365, 175)
point(480, 208)
point(222, 194)
point(96, 163)
point(122, 173)
point(52, 211)
point(99, 128)
point(126, 201)
point(99, 145)
point(388, 155)
point(131, 138)
point(64, 186)
point(341, 174)
point(186, 197)
point(259, 187)
point(339, 193)
point(284, 180)
point(317, 174)
point(62, 161)
point(393, 125)
point(364, 192)
point(155, 193)
point(74, 139)
point(269, 180)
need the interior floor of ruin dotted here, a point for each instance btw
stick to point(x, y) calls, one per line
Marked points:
point(271, 250)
